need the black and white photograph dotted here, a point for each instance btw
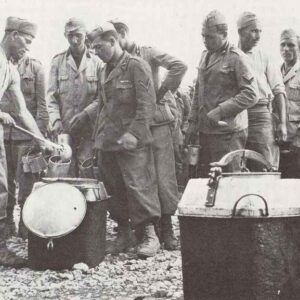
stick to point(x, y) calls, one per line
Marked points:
point(150, 150)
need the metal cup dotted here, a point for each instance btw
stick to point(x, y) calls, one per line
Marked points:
point(86, 168)
point(193, 154)
point(58, 168)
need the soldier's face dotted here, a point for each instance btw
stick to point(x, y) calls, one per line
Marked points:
point(76, 39)
point(20, 44)
point(212, 39)
point(250, 36)
point(104, 49)
point(289, 50)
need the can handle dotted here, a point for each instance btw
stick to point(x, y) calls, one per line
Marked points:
point(50, 245)
point(259, 196)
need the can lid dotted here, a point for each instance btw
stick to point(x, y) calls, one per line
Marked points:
point(242, 195)
point(54, 210)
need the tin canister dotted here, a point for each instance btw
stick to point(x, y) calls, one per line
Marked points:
point(193, 154)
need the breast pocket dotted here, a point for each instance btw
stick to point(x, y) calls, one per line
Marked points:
point(227, 76)
point(125, 90)
point(63, 82)
point(27, 84)
point(293, 95)
point(92, 84)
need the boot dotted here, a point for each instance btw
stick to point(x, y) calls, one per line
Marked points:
point(167, 233)
point(10, 259)
point(122, 241)
point(149, 244)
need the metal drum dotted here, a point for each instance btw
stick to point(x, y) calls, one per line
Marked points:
point(66, 219)
point(240, 235)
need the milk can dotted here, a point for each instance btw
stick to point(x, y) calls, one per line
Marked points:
point(240, 234)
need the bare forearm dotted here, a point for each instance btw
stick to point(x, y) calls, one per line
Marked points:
point(280, 107)
point(27, 119)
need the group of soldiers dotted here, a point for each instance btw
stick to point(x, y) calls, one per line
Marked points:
point(105, 92)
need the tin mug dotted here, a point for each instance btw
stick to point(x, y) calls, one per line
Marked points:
point(193, 154)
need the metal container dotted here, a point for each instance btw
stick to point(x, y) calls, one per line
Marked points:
point(57, 167)
point(240, 237)
point(88, 169)
point(66, 220)
point(193, 154)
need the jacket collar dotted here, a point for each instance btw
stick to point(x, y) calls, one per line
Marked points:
point(292, 72)
point(118, 69)
point(83, 63)
point(219, 56)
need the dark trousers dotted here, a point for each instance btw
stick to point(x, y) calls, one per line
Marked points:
point(261, 136)
point(164, 161)
point(130, 178)
point(215, 146)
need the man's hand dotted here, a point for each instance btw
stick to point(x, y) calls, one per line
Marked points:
point(128, 141)
point(190, 134)
point(6, 119)
point(214, 118)
point(57, 128)
point(281, 133)
point(78, 121)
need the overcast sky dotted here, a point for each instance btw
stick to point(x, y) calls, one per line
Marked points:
point(171, 25)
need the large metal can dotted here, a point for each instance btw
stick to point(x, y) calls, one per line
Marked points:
point(66, 219)
point(240, 236)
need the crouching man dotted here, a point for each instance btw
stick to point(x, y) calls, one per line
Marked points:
point(122, 138)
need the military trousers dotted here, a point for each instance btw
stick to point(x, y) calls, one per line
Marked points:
point(164, 160)
point(261, 135)
point(215, 146)
point(129, 177)
point(15, 150)
point(3, 178)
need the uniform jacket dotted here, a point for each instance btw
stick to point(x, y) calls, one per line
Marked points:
point(127, 103)
point(292, 87)
point(72, 90)
point(175, 72)
point(226, 82)
point(33, 88)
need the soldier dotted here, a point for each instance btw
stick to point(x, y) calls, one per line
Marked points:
point(122, 136)
point(19, 34)
point(18, 144)
point(161, 128)
point(270, 87)
point(225, 88)
point(289, 158)
point(72, 93)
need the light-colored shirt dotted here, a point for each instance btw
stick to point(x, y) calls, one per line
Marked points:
point(267, 74)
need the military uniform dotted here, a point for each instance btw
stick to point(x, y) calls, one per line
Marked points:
point(224, 82)
point(261, 133)
point(16, 143)
point(127, 104)
point(163, 143)
point(72, 90)
point(288, 166)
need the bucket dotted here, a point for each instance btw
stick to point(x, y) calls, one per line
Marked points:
point(57, 167)
point(34, 162)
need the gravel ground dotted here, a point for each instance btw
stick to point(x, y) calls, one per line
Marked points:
point(121, 277)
